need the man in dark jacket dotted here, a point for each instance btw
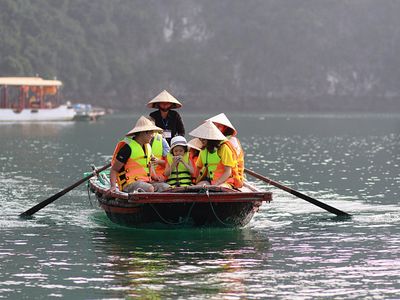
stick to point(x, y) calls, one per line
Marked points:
point(166, 118)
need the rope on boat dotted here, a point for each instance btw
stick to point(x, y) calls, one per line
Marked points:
point(88, 192)
point(173, 223)
point(218, 218)
point(102, 178)
point(207, 192)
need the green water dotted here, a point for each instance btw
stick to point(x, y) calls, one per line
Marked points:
point(290, 250)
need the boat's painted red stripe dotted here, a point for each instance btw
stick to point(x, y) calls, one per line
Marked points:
point(120, 210)
point(197, 200)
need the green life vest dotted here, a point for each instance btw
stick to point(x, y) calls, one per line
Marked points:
point(210, 163)
point(157, 146)
point(180, 177)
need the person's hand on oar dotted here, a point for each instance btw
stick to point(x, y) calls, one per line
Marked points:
point(53, 198)
point(298, 194)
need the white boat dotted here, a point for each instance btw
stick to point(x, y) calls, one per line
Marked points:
point(32, 99)
point(86, 112)
point(60, 113)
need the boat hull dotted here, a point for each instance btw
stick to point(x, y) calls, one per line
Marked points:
point(86, 112)
point(182, 214)
point(61, 113)
point(181, 207)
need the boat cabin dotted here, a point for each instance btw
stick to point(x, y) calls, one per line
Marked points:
point(19, 93)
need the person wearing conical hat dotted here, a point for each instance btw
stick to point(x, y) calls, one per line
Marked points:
point(226, 127)
point(131, 168)
point(223, 124)
point(216, 159)
point(165, 117)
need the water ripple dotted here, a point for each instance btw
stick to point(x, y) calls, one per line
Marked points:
point(291, 249)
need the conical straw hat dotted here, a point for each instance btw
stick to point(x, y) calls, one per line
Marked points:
point(195, 144)
point(223, 119)
point(143, 124)
point(208, 131)
point(164, 96)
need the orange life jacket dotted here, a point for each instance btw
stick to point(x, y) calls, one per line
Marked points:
point(193, 160)
point(157, 151)
point(137, 166)
point(236, 147)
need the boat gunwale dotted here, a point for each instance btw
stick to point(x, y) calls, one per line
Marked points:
point(213, 194)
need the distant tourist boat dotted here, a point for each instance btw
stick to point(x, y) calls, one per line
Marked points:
point(192, 206)
point(30, 99)
point(86, 112)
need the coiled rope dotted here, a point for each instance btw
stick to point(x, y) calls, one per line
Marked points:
point(173, 223)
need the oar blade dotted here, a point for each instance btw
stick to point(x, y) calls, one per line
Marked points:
point(316, 202)
point(28, 213)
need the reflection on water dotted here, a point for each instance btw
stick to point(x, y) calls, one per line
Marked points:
point(181, 263)
point(37, 129)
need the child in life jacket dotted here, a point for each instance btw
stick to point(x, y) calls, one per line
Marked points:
point(178, 170)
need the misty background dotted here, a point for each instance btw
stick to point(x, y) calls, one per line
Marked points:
point(268, 55)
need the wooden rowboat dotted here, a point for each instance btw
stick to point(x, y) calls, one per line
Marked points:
point(192, 206)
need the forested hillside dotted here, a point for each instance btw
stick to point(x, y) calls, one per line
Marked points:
point(280, 55)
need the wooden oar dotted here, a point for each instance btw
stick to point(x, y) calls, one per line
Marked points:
point(53, 198)
point(320, 204)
